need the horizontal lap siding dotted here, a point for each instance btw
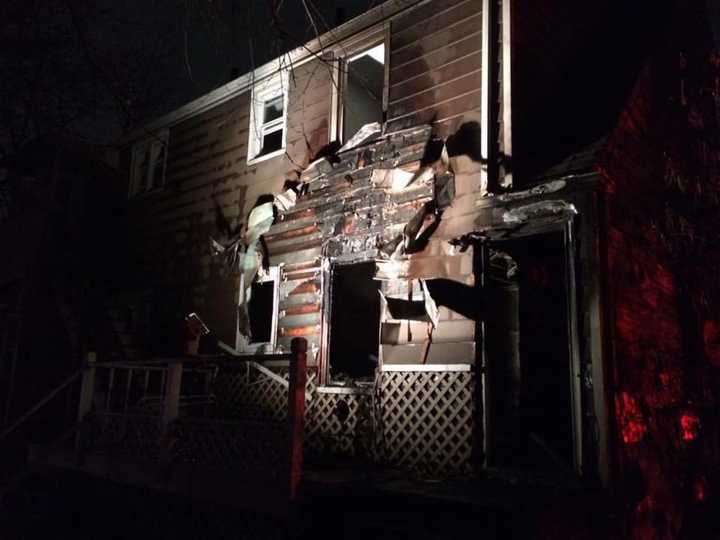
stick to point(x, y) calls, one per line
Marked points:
point(208, 176)
point(435, 66)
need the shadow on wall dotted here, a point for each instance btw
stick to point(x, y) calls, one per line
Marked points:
point(464, 299)
point(467, 141)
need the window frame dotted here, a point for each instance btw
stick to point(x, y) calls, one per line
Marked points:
point(241, 342)
point(346, 52)
point(160, 139)
point(263, 92)
point(329, 266)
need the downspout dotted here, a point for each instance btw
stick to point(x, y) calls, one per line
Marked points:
point(496, 94)
point(506, 155)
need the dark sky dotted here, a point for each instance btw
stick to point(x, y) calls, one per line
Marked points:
point(245, 33)
point(94, 68)
point(91, 69)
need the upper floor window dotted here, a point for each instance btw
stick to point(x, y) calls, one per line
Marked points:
point(268, 118)
point(362, 88)
point(149, 159)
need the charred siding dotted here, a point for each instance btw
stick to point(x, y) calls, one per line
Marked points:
point(345, 218)
point(435, 64)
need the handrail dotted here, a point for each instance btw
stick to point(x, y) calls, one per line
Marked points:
point(39, 405)
point(200, 360)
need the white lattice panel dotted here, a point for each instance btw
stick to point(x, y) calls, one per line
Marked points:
point(427, 420)
point(335, 424)
point(339, 424)
point(417, 420)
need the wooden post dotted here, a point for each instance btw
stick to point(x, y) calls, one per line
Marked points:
point(171, 410)
point(296, 410)
point(87, 390)
point(171, 405)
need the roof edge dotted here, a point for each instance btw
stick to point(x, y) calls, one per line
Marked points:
point(385, 11)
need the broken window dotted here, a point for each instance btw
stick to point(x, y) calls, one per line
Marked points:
point(363, 77)
point(148, 164)
point(267, 118)
point(261, 308)
point(354, 320)
point(528, 353)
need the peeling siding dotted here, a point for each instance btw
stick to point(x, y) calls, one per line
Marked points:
point(345, 218)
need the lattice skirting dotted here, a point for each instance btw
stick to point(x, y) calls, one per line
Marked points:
point(417, 420)
point(124, 434)
point(336, 424)
point(236, 445)
point(339, 424)
point(253, 395)
point(240, 445)
point(427, 420)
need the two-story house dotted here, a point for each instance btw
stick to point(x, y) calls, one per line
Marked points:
point(492, 223)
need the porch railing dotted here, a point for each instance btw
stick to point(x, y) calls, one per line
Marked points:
point(158, 410)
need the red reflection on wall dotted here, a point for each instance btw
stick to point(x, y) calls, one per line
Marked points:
point(689, 426)
point(700, 489)
point(632, 423)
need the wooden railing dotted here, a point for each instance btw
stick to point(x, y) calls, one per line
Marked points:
point(139, 409)
point(134, 387)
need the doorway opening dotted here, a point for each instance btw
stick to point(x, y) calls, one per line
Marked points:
point(261, 311)
point(354, 321)
point(529, 354)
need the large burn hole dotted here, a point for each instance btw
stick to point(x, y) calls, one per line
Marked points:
point(528, 354)
point(354, 320)
point(260, 311)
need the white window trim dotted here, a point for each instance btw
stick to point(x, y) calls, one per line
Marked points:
point(161, 138)
point(348, 51)
point(263, 91)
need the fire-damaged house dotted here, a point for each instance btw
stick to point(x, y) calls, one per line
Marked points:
point(491, 222)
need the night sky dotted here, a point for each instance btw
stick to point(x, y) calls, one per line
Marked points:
point(91, 70)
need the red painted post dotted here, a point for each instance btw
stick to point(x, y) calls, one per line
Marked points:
point(296, 410)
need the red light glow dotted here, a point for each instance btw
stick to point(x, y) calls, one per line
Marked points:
point(700, 489)
point(631, 420)
point(690, 426)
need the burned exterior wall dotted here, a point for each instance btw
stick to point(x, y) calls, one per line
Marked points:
point(209, 189)
point(346, 216)
point(662, 193)
point(208, 192)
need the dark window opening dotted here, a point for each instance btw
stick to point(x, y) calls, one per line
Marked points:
point(271, 142)
point(273, 109)
point(354, 320)
point(260, 311)
point(363, 96)
point(528, 354)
